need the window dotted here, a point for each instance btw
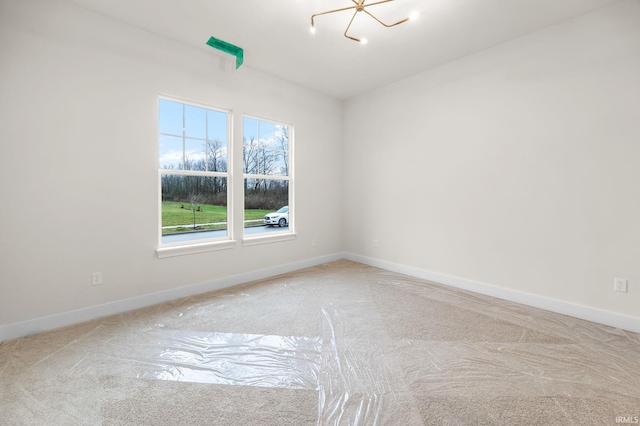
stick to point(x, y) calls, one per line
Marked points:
point(193, 146)
point(194, 163)
point(267, 175)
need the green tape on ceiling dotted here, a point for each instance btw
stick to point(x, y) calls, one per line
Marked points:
point(228, 48)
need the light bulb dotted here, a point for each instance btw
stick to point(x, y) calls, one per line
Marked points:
point(363, 41)
point(312, 29)
point(414, 16)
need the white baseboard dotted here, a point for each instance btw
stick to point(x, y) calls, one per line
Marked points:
point(38, 325)
point(599, 316)
point(63, 319)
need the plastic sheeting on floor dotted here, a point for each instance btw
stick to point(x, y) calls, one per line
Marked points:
point(337, 344)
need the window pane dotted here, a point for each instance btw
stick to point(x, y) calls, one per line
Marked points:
point(194, 154)
point(281, 163)
point(216, 156)
point(265, 205)
point(282, 137)
point(217, 126)
point(268, 162)
point(193, 208)
point(250, 127)
point(265, 161)
point(195, 122)
point(266, 132)
point(170, 117)
point(170, 152)
point(250, 158)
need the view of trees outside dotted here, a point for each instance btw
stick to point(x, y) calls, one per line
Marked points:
point(193, 163)
point(265, 165)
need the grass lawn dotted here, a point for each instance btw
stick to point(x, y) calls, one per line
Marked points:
point(178, 214)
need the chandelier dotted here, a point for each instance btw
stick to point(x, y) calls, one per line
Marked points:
point(360, 6)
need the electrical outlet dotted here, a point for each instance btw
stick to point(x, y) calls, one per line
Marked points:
point(313, 242)
point(96, 278)
point(375, 243)
point(620, 284)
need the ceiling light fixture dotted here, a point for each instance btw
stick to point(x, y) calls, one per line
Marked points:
point(359, 6)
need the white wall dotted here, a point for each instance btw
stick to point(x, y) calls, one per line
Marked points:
point(78, 147)
point(516, 167)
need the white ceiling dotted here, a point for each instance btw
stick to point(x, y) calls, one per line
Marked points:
point(276, 39)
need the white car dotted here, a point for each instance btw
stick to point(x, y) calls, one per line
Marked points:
point(280, 218)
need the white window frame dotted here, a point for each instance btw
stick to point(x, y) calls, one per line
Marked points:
point(290, 234)
point(205, 244)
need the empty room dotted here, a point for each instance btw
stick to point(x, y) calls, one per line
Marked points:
point(320, 212)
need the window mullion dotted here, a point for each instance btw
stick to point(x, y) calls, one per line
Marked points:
point(184, 142)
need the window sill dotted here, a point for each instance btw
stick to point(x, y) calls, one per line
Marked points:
point(171, 251)
point(266, 239)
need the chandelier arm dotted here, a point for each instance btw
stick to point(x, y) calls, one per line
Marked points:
point(349, 26)
point(331, 11)
point(313, 24)
point(386, 25)
point(377, 2)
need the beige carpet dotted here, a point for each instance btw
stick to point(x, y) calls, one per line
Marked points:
point(337, 344)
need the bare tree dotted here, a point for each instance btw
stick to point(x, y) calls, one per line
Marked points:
point(249, 158)
point(215, 157)
point(282, 140)
point(194, 200)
